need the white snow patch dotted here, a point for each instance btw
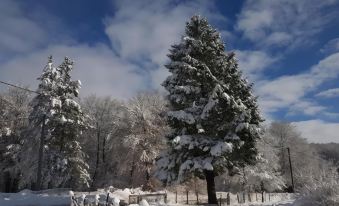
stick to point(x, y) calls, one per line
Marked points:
point(143, 203)
point(208, 165)
point(182, 116)
point(220, 148)
point(56, 102)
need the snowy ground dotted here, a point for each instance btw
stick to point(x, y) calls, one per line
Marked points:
point(62, 197)
point(41, 198)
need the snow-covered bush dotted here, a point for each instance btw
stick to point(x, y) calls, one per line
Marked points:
point(304, 159)
point(265, 174)
point(322, 190)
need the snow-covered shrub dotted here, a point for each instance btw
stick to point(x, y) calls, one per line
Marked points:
point(323, 190)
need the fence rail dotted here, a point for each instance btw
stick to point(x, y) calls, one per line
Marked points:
point(153, 197)
point(226, 198)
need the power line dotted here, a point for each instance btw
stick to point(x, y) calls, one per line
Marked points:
point(12, 85)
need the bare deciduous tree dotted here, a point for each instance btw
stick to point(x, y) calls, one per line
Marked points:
point(147, 129)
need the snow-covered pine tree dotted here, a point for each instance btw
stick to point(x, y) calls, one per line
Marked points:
point(64, 162)
point(214, 116)
point(41, 108)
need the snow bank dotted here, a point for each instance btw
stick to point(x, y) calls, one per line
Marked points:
point(143, 203)
point(122, 194)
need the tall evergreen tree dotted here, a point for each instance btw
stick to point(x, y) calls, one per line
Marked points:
point(63, 120)
point(214, 116)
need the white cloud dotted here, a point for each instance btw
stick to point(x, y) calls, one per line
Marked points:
point(28, 39)
point(307, 107)
point(278, 38)
point(252, 63)
point(329, 93)
point(143, 31)
point(18, 33)
point(286, 22)
point(100, 71)
point(319, 131)
point(331, 46)
point(252, 22)
point(26, 29)
point(283, 91)
point(289, 91)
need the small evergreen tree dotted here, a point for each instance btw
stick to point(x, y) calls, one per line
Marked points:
point(54, 106)
point(214, 116)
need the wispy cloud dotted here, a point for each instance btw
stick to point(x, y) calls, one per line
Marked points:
point(331, 46)
point(329, 93)
point(26, 29)
point(143, 31)
point(100, 71)
point(290, 91)
point(140, 33)
point(253, 63)
point(284, 23)
point(18, 33)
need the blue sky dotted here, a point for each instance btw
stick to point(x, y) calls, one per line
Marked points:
point(289, 49)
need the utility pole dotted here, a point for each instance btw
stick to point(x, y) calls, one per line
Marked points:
point(289, 159)
point(41, 153)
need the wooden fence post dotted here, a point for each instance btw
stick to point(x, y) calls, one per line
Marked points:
point(238, 197)
point(186, 196)
point(228, 200)
point(220, 199)
point(165, 198)
point(262, 196)
point(244, 196)
point(197, 194)
point(176, 196)
point(107, 199)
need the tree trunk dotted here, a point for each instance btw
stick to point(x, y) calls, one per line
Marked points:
point(212, 196)
point(103, 150)
point(148, 176)
point(97, 159)
point(41, 155)
point(132, 172)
